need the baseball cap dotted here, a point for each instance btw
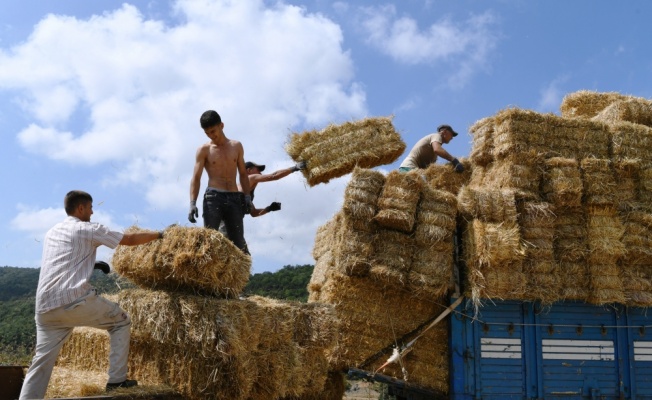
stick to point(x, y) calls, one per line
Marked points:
point(447, 127)
point(250, 164)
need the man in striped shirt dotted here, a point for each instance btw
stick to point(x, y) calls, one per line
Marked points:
point(65, 299)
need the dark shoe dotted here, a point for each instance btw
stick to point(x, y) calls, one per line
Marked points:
point(124, 384)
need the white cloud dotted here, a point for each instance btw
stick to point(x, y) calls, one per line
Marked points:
point(552, 95)
point(142, 85)
point(37, 221)
point(127, 92)
point(464, 45)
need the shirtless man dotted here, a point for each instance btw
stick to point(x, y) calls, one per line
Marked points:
point(222, 158)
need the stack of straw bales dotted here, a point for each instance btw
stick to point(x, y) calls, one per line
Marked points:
point(193, 260)
point(354, 244)
point(581, 185)
point(197, 337)
point(375, 316)
point(206, 347)
point(610, 107)
point(385, 263)
point(335, 150)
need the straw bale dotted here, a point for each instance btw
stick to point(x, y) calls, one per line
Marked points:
point(637, 285)
point(436, 216)
point(599, 183)
point(562, 182)
point(434, 262)
point(393, 250)
point(443, 177)
point(398, 201)
point(482, 149)
point(537, 230)
point(522, 175)
point(626, 175)
point(588, 103)
point(570, 235)
point(478, 176)
point(495, 243)
point(605, 235)
point(494, 260)
point(337, 149)
point(354, 249)
point(324, 264)
point(519, 131)
point(193, 260)
point(427, 287)
point(431, 273)
point(637, 276)
point(325, 235)
point(362, 192)
point(637, 239)
point(636, 110)
point(373, 316)
point(606, 284)
point(238, 349)
point(488, 204)
point(575, 281)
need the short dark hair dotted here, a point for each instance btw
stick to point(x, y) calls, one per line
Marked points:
point(74, 198)
point(210, 118)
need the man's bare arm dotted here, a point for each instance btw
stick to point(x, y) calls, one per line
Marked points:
point(136, 238)
point(195, 181)
point(242, 172)
point(441, 152)
point(274, 176)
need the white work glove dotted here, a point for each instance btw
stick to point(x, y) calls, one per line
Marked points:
point(194, 212)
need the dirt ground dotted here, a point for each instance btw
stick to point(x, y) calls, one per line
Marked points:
point(361, 390)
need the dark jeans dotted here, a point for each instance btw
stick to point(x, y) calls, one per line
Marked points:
point(226, 207)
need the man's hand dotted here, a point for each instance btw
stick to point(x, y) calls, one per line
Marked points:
point(457, 165)
point(273, 207)
point(299, 166)
point(194, 212)
point(102, 266)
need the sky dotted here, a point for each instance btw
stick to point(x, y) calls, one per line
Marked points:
point(105, 97)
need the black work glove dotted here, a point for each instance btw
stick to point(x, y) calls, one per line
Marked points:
point(457, 165)
point(299, 166)
point(194, 212)
point(273, 207)
point(102, 266)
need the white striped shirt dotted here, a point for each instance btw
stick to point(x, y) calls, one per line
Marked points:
point(68, 260)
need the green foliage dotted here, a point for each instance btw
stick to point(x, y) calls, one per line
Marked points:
point(288, 283)
point(18, 282)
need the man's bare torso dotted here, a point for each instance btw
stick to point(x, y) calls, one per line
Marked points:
point(221, 164)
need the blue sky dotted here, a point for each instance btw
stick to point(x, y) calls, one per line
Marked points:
point(106, 96)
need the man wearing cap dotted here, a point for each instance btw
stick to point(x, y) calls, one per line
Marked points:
point(427, 149)
point(255, 175)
